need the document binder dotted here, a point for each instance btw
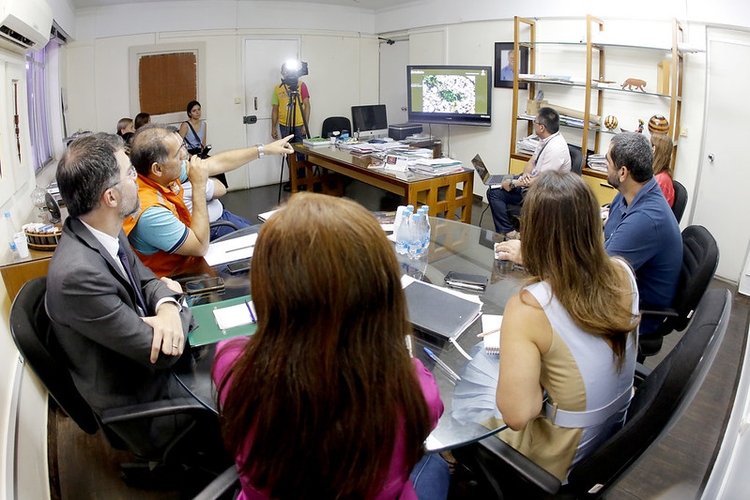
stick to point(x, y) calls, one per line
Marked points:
point(438, 312)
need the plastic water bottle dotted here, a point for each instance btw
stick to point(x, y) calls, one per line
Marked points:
point(10, 232)
point(426, 228)
point(403, 232)
point(416, 239)
point(399, 217)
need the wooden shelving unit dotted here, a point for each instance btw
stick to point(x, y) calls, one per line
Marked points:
point(595, 96)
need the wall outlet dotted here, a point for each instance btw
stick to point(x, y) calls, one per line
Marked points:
point(683, 132)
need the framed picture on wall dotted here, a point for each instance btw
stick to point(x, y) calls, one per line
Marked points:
point(504, 64)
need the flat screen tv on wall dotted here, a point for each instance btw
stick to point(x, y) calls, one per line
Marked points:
point(459, 95)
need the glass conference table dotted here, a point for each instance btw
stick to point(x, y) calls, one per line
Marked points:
point(469, 402)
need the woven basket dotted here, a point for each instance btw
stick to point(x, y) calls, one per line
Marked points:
point(43, 241)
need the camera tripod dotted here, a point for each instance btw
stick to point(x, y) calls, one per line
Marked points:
point(295, 103)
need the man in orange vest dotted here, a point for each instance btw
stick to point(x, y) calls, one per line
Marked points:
point(164, 234)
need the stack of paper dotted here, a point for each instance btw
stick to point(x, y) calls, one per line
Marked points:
point(316, 142)
point(527, 145)
point(436, 166)
point(597, 162)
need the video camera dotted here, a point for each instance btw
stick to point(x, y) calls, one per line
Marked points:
point(293, 70)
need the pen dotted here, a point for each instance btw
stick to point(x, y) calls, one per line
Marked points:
point(441, 364)
point(488, 332)
point(250, 308)
point(239, 248)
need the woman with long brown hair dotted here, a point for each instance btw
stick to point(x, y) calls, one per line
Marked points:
point(569, 333)
point(663, 147)
point(323, 400)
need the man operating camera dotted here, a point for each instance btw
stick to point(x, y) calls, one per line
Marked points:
point(290, 103)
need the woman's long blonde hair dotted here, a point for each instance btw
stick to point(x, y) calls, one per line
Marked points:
point(663, 148)
point(562, 245)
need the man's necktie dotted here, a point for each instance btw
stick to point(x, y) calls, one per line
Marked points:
point(136, 286)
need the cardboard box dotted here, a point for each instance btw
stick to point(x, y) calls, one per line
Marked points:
point(532, 106)
point(662, 77)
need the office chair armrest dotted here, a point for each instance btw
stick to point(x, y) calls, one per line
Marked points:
point(151, 409)
point(667, 313)
point(221, 485)
point(641, 372)
point(494, 460)
point(219, 223)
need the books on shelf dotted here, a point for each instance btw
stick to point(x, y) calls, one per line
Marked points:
point(438, 311)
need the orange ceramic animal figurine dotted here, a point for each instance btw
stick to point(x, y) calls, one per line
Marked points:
point(634, 82)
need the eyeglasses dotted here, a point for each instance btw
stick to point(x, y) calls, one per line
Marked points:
point(132, 173)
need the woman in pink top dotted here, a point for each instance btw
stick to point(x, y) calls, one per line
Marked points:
point(323, 401)
point(662, 146)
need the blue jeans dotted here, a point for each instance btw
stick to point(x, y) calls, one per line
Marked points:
point(285, 131)
point(217, 232)
point(499, 200)
point(431, 477)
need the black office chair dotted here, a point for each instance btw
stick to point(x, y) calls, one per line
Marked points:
point(32, 333)
point(576, 159)
point(225, 486)
point(680, 200)
point(664, 395)
point(700, 256)
point(338, 124)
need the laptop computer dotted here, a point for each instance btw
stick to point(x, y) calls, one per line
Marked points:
point(487, 179)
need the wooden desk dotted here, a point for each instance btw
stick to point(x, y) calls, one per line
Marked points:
point(17, 273)
point(448, 196)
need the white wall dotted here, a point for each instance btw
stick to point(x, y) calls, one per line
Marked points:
point(24, 438)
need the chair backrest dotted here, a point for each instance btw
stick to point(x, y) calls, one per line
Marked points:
point(335, 124)
point(700, 256)
point(680, 200)
point(32, 333)
point(576, 159)
point(660, 400)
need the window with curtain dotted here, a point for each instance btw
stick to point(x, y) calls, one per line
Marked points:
point(39, 123)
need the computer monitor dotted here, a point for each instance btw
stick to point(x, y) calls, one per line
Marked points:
point(370, 121)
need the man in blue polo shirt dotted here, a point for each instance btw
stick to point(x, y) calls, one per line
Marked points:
point(641, 227)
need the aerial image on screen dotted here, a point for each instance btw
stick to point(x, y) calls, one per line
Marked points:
point(451, 94)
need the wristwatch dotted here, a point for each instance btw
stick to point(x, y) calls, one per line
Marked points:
point(261, 154)
point(512, 184)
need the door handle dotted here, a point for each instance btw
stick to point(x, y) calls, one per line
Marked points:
point(255, 103)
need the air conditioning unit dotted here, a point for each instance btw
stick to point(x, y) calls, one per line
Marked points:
point(25, 23)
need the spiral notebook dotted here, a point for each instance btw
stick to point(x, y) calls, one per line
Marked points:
point(492, 341)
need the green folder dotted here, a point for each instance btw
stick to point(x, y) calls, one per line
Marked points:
point(208, 332)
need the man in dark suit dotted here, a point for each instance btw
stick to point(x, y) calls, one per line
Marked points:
point(120, 326)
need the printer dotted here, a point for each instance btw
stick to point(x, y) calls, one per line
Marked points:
point(403, 130)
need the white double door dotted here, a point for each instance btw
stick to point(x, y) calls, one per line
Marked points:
point(262, 65)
